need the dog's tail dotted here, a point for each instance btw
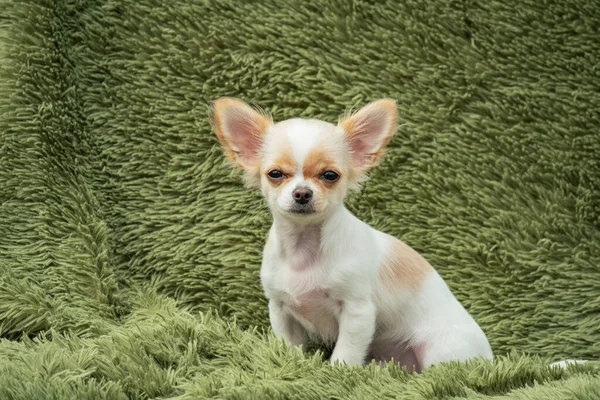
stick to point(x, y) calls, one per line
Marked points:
point(565, 363)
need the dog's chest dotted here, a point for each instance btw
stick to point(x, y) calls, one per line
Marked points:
point(307, 295)
point(313, 307)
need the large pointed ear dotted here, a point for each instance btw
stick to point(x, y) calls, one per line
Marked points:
point(241, 130)
point(368, 131)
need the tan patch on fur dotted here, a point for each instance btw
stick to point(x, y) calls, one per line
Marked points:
point(315, 163)
point(284, 162)
point(318, 161)
point(403, 267)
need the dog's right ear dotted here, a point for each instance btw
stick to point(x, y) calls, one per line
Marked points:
point(241, 130)
point(368, 131)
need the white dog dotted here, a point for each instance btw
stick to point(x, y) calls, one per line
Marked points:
point(326, 273)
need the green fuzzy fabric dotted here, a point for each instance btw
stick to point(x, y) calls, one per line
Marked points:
point(130, 250)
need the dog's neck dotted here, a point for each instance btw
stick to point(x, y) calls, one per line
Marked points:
point(301, 241)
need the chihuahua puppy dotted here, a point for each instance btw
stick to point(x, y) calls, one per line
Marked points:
point(326, 274)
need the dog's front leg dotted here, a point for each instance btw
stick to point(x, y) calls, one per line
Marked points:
point(356, 330)
point(285, 326)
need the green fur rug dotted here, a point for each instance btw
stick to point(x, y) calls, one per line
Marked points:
point(130, 251)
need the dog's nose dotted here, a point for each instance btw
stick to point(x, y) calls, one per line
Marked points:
point(302, 195)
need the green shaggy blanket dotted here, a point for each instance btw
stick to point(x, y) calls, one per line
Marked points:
point(130, 251)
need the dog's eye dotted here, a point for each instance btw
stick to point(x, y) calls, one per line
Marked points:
point(330, 176)
point(275, 174)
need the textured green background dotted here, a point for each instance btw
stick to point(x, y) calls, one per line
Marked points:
point(115, 198)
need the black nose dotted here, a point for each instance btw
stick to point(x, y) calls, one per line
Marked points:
point(302, 195)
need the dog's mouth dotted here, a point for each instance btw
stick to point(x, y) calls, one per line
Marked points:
point(301, 211)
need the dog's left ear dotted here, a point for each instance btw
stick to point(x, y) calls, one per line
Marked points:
point(368, 131)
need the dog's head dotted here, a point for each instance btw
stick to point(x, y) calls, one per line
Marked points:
point(304, 167)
